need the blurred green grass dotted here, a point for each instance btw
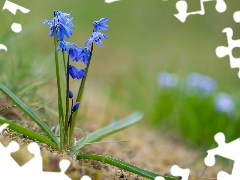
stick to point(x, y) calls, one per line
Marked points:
point(144, 39)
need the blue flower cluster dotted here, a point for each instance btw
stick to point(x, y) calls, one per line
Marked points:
point(204, 84)
point(62, 22)
point(62, 25)
point(96, 35)
point(201, 85)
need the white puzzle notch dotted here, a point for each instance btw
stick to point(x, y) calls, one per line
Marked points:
point(227, 150)
point(222, 51)
point(182, 9)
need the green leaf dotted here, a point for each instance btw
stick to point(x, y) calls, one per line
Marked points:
point(30, 113)
point(105, 131)
point(122, 165)
point(29, 133)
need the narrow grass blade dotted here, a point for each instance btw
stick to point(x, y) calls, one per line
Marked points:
point(123, 165)
point(105, 131)
point(30, 113)
point(29, 133)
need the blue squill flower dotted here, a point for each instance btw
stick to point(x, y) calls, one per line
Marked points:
point(62, 25)
point(61, 29)
point(100, 24)
point(65, 46)
point(73, 53)
point(224, 103)
point(70, 48)
point(51, 26)
point(96, 36)
point(76, 73)
point(167, 80)
point(202, 83)
point(75, 106)
point(83, 55)
point(62, 18)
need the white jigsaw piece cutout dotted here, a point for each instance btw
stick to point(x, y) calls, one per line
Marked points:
point(10, 169)
point(2, 127)
point(16, 27)
point(177, 171)
point(12, 7)
point(228, 150)
point(2, 46)
point(159, 178)
point(182, 9)
point(222, 51)
point(111, 1)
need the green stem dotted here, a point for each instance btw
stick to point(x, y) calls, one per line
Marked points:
point(69, 124)
point(64, 63)
point(79, 97)
point(60, 105)
point(123, 165)
point(67, 107)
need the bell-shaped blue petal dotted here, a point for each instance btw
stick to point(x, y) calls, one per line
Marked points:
point(81, 73)
point(96, 36)
point(70, 24)
point(84, 55)
point(103, 20)
point(60, 16)
point(59, 33)
point(100, 24)
point(73, 71)
point(103, 26)
point(51, 33)
point(89, 41)
point(73, 53)
point(76, 73)
point(103, 36)
point(65, 46)
point(99, 42)
point(60, 46)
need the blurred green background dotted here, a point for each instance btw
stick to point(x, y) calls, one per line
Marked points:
point(145, 38)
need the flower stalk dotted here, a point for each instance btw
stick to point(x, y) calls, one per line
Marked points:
point(60, 27)
point(67, 105)
point(79, 97)
point(60, 107)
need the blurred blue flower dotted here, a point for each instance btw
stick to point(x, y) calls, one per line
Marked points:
point(100, 24)
point(75, 106)
point(167, 80)
point(61, 25)
point(70, 94)
point(76, 73)
point(204, 84)
point(96, 36)
point(224, 103)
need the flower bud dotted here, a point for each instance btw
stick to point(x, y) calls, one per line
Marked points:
point(75, 106)
point(70, 94)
